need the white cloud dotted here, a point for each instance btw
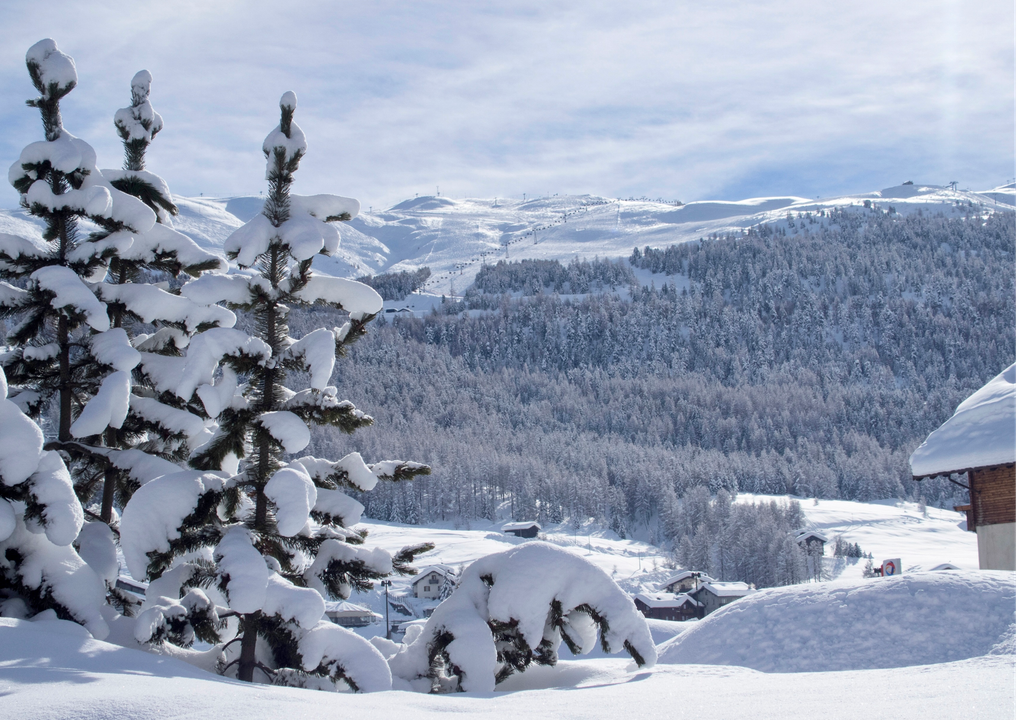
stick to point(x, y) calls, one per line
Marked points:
point(683, 100)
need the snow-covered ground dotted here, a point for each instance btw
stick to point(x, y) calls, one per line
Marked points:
point(55, 670)
point(924, 645)
point(454, 237)
point(900, 621)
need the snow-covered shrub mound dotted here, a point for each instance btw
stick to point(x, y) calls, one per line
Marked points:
point(899, 621)
point(514, 608)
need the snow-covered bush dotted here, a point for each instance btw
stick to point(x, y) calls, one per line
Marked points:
point(515, 608)
point(39, 519)
point(268, 535)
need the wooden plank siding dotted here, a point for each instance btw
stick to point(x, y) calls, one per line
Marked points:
point(993, 495)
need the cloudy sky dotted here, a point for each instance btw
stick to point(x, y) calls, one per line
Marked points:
point(675, 99)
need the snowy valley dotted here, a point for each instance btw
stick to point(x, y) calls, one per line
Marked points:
point(192, 495)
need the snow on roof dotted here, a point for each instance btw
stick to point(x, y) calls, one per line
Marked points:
point(442, 570)
point(981, 433)
point(509, 527)
point(807, 534)
point(682, 576)
point(727, 589)
point(665, 600)
point(350, 609)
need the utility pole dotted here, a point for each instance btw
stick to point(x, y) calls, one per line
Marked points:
point(387, 612)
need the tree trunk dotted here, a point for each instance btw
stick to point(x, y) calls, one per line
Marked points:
point(63, 342)
point(247, 660)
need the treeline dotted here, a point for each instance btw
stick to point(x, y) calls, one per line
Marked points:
point(812, 365)
point(397, 286)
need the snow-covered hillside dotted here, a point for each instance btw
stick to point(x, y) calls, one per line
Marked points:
point(455, 237)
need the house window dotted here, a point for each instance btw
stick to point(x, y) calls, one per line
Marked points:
point(426, 588)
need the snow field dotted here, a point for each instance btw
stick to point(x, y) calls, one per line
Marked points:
point(899, 621)
point(54, 670)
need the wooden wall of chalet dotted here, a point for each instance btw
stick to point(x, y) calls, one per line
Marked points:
point(993, 495)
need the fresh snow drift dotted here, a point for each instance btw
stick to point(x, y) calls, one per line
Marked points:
point(898, 621)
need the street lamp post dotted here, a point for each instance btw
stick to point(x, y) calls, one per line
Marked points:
point(387, 614)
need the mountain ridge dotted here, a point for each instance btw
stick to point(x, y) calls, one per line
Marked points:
point(454, 238)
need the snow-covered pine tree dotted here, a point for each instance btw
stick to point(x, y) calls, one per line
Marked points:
point(39, 518)
point(158, 322)
point(69, 340)
point(62, 344)
point(279, 533)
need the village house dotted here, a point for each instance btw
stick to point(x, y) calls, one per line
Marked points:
point(667, 606)
point(812, 542)
point(429, 584)
point(521, 529)
point(980, 441)
point(689, 594)
point(714, 595)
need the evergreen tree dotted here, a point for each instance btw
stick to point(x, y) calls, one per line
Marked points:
point(158, 422)
point(63, 343)
point(69, 340)
point(278, 531)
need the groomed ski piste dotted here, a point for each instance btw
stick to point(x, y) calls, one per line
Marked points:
point(925, 644)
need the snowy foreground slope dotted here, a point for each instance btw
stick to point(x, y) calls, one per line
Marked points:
point(55, 670)
point(946, 639)
point(455, 237)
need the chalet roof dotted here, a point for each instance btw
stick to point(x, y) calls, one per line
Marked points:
point(665, 600)
point(347, 609)
point(513, 526)
point(808, 534)
point(981, 433)
point(682, 576)
point(442, 570)
point(726, 589)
